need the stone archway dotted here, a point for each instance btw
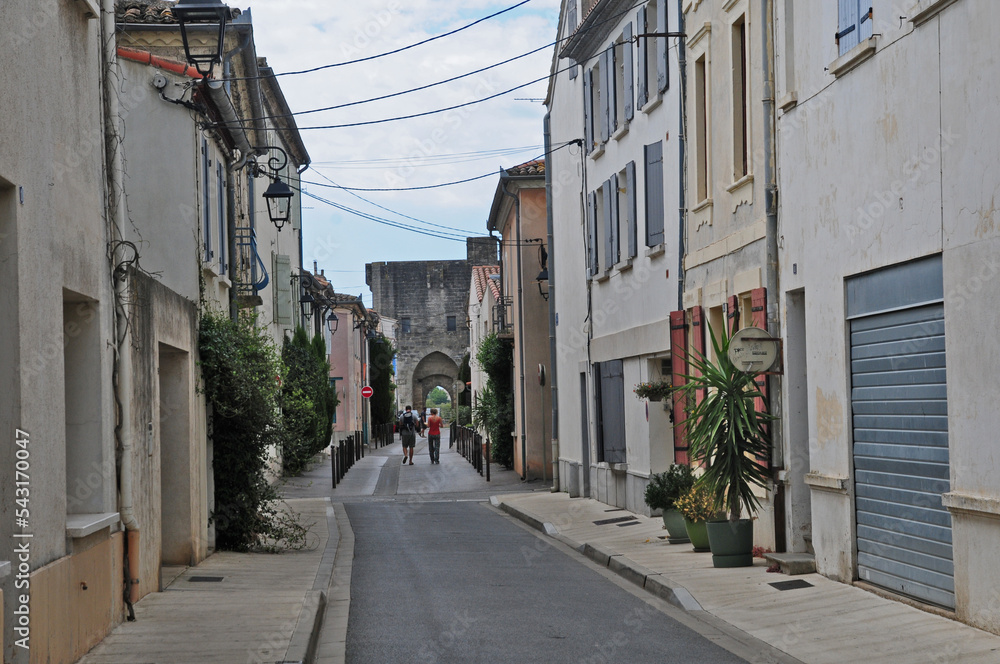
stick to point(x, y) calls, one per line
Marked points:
point(435, 370)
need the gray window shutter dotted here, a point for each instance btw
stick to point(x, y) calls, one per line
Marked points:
point(282, 289)
point(633, 249)
point(662, 64)
point(570, 29)
point(608, 217)
point(864, 20)
point(612, 90)
point(602, 88)
point(592, 262)
point(654, 194)
point(848, 30)
point(643, 65)
point(588, 110)
point(221, 191)
point(629, 86)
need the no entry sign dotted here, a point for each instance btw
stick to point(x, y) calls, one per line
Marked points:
point(367, 391)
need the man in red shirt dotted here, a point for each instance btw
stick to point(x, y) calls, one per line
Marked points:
point(434, 436)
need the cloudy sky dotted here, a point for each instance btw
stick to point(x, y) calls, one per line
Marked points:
point(437, 148)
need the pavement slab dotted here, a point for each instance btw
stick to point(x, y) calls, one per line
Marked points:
point(826, 623)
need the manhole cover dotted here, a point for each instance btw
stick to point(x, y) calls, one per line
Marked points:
point(205, 579)
point(791, 585)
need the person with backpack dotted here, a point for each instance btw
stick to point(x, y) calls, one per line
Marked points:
point(409, 425)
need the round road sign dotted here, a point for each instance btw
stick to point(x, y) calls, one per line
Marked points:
point(753, 349)
point(367, 391)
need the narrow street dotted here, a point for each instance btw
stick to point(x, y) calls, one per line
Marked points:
point(440, 575)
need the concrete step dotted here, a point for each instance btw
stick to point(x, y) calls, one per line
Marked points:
point(793, 563)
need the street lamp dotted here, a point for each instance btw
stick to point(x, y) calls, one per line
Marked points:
point(306, 304)
point(543, 278)
point(211, 14)
point(332, 323)
point(278, 195)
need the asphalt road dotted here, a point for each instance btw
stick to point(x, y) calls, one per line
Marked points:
point(457, 581)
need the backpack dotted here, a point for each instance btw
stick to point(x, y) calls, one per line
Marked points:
point(409, 421)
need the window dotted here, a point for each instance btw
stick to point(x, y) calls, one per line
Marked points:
point(627, 209)
point(404, 325)
point(654, 193)
point(741, 121)
point(595, 111)
point(452, 324)
point(701, 126)
point(610, 388)
point(855, 24)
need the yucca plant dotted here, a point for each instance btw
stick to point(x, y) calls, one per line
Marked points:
point(726, 433)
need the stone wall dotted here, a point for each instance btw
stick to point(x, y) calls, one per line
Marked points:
point(426, 293)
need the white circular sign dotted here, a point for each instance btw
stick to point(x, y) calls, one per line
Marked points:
point(753, 349)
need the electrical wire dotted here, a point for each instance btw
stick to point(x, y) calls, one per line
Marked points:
point(382, 162)
point(387, 53)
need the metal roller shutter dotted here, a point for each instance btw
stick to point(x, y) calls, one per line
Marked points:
point(901, 465)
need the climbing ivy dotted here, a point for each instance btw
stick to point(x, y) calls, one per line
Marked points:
point(494, 410)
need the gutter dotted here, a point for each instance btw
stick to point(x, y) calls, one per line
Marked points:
point(549, 223)
point(147, 58)
point(682, 156)
point(122, 369)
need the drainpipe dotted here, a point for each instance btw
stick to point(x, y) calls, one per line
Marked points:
point(547, 134)
point(682, 155)
point(520, 318)
point(771, 238)
point(122, 370)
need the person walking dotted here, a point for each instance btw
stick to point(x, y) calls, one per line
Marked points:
point(409, 424)
point(434, 436)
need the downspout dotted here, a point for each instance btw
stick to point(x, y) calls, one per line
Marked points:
point(122, 369)
point(547, 135)
point(771, 239)
point(520, 319)
point(682, 155)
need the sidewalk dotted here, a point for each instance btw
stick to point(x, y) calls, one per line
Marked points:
point(825, 622)
point(245, 608)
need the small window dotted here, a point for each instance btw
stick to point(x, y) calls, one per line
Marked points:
point(452, 324)
point(741, 133)
point(404, 325)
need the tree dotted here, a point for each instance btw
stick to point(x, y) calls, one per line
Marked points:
point(494, 411)
point(380, 378)
point(308, 400)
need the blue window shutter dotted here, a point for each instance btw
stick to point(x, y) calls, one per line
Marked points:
point(612, 90)
point(588, 110)
point(570, 29)
point(607, 217)
point(627, 57)
point(592, 233)
point(865, 20)
point(643, 65)
point(602, 87)
point(662, 65)
point(848, 34)
point(633, 230)
point(654, 194)
point(206, 201)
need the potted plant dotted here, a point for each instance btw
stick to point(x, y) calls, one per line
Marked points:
point(698, 507)
point(727, 435)
point(661, 493)
point(654, 391)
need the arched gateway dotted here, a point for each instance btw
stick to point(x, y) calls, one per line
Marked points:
point(429, 301)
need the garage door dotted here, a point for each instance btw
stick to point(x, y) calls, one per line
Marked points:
point(900, 425)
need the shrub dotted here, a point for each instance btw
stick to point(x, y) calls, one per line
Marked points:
point(494, 410)
point(307, 401)
point(666, 487)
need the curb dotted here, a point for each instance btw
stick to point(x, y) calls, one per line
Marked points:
point(652, 582)
point(302, 647)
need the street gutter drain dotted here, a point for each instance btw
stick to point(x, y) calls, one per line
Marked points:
point(630, 523)
point(604, 522)
point(616, 509)
point(206, 579)
point(791, 585)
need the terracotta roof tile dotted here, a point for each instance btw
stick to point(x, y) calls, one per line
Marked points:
point(481, 275)
point(533, 167)
point(148, 11)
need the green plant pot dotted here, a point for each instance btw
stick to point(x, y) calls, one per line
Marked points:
point(732, 543)
point(673, 521)
point(698, 534)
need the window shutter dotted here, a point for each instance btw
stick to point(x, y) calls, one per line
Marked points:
point(609, 229)
point(654, 194)
point(848, 32)
point(678, 369)
point(698, 340)
point(602, 87)
point(570, 29)
point(206, 201)
point(662, 68)
point(865, 20)
point(592, 232)
point(629, 86)
point(733, 314)
point(643, 64)
point(612, 90)
point(588, 110)
point(282, 289)
point(633, 229)
point(221, 192)
point(758, 305)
